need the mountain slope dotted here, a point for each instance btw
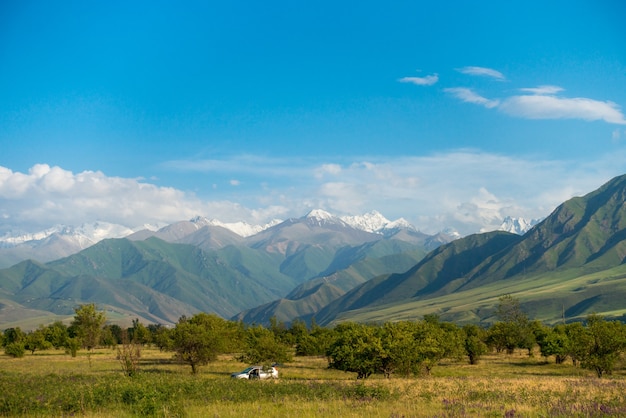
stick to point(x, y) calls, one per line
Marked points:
point(153, 279)
point(352, 266)
point(584, 236)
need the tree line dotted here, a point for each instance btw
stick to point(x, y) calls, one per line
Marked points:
point(404, 348)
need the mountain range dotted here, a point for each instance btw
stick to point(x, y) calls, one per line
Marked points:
point(196, 265)
point(333, 269)
point(64, 240)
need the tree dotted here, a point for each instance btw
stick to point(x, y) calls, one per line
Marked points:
point(601, 343)
point(358, 348)
point(13, 335)
point(263, 347)
point(36, 340)
point(315, 343)
point(514, 329)
point(199, 339)
point(474, 342)
point(88, 324)
point(436, 341)
point(139, 333)
point(554, 342)
point(400, 345)
point(56, 334)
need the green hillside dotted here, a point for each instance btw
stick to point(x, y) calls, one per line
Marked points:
point(363, 263)
point(570, 264)
point(151, 279)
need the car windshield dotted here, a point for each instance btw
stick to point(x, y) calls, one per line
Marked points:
point(248, 370)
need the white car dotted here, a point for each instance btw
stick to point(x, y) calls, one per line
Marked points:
point(257, 372)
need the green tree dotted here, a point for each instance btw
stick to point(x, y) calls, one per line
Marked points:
point(357, 348)
point(88, 322)
point(162, 338)
point(13, 335)
point(514, 329)
point(436, 341)
point(264, 347)
point(401, 349)
point(554, 342)
point(576, 333)
point(315, 343)
point(13, 341)
point(199, 339)
point(474, 342)
point(36, 340)
point(56, 334)
point(139, 334)
point(15, 349)
point(602, 343)
point(87, 325)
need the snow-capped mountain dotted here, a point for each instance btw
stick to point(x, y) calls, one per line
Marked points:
point(88, 233)
point(517, 225)
point(319, 217)
point(244, 229)
point(58, 241)
point(63, 240)
point(375, 222)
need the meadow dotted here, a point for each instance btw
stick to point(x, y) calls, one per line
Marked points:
point(52, 383)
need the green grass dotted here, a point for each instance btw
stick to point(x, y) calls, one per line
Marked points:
point(547, 293)
point(51, 383)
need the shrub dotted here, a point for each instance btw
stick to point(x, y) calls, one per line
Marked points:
point(15, 350)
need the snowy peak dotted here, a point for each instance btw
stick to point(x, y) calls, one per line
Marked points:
point(517, 225)
point(319, 217)
point(375, 222)
point(244, 229)
point(85, 233)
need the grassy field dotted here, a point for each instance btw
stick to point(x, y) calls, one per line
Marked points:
point(52, 383)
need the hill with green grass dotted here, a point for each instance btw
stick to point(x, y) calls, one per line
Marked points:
point(204, 270)
point(569, 265)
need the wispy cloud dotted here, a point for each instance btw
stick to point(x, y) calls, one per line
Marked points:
point(481, 190)
point(428, 80)
point(482, 71)
point(542, 89)
point(469, 96)
point(544, 103)
point(552, 107)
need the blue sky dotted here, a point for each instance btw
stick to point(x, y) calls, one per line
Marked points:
point(449, 114)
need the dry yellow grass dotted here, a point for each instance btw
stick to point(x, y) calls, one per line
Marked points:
point(499, 386)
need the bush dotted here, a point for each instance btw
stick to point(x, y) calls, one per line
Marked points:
point(16, 350)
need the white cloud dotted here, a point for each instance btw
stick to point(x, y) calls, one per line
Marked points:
point(234, 182)
point(429, 80)
point(482, 71)
point(551, 107)
point(543, 103)
point(327, 169)
point(542, 90)
point(469, 96)
point(466, 189)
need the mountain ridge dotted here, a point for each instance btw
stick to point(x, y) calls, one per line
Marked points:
point(583, 236)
